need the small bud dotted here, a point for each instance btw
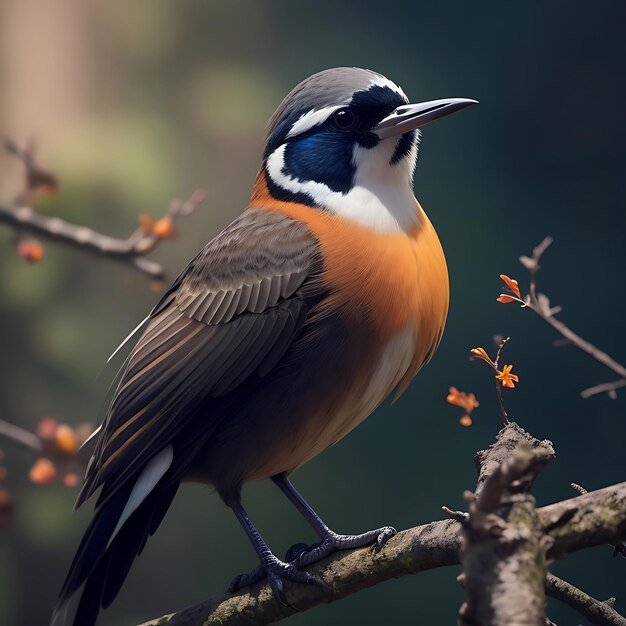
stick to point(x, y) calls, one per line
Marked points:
point(481, 353)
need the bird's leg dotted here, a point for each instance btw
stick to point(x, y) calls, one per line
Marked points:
point(330, 541)
point(277, 571)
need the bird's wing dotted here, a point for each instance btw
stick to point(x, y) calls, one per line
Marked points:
point(231, 314)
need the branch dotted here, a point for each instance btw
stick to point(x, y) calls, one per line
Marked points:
point(593, 519)
point(411, 551)
point(595, 611)
point(504, 561)
point(131, 250)
point(21, 435)
point(540, 304)
point(22, 218)
point(610, 388)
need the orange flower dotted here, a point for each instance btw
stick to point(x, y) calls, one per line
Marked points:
point(43, 472)
point(466, 401)
point(508, 379)
point(481, 353)
point(466, 421)
point(511, 284)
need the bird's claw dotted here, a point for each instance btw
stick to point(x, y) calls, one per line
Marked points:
point(302, 555)
point(276, 572)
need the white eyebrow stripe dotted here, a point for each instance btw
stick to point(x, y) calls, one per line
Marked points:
point(312, 118)
point(381, 81)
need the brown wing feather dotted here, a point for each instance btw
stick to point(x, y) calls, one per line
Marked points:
point(233, 312)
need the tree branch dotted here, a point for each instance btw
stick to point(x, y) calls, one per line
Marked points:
point(131, 250)
point(22, 218)
point(593, 519)
point(596, 611)
point(503, 557)
point(21, 435)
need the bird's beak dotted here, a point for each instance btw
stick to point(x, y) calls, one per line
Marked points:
point(411, 116)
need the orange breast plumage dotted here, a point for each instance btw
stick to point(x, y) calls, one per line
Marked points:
point(392, 284)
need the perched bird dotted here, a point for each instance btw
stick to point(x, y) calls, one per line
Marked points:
point(286, 331)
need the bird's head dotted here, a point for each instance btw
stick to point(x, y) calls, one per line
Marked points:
point(345, 140)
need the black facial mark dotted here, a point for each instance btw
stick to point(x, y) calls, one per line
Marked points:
point(403, 147)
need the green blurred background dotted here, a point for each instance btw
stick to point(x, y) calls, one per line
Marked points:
point(136, 102)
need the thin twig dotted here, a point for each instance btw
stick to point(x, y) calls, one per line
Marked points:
point(596, 611)
point(540, 304)
point(609, 388)
point(20, 435)
point(505, 415)
point(459, 516)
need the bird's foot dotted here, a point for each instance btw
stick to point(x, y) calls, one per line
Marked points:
point(276, 572)
point(301, 554)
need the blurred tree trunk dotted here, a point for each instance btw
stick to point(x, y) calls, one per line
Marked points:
point(46, 66)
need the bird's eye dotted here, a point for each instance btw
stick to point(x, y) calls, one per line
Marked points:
point(345, 119)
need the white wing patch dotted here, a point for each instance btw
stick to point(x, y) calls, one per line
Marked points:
point(151, 474)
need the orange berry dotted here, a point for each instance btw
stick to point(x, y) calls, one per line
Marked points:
point(32, 251)
point(66, 439)
point(47, 428)
point(71, 480)
point(466, 420)
point(163, 228)
point(43, 472)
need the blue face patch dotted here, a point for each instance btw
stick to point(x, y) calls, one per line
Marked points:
point(324, 153)
point(324, 156)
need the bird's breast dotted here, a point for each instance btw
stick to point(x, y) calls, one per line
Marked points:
point(381, 320)
point(393, 284)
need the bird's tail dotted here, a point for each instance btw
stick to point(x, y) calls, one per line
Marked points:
point(107, 551)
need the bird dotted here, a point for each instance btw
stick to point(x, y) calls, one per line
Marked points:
point(325, 296)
